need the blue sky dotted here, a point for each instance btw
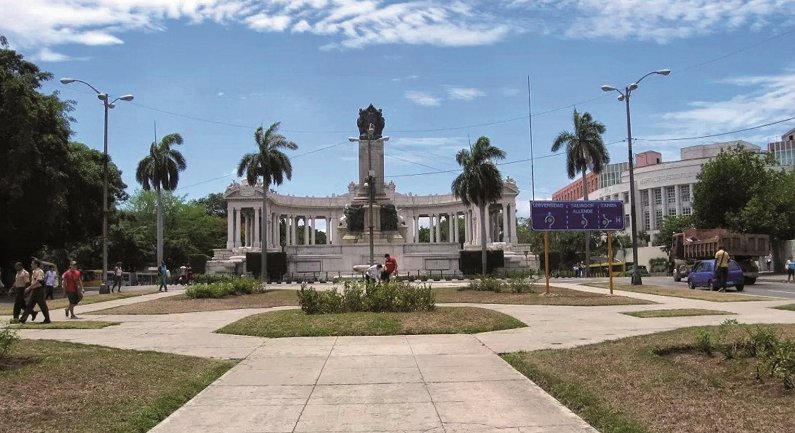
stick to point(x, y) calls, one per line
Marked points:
point(444, 72)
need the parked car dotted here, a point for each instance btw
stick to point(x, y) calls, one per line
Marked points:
point(702, 274)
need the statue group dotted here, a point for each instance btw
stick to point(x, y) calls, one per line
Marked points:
point(370, 116)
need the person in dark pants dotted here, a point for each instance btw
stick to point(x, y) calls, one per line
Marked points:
point(117, 277)
point(36, 293)
point(722, 268)
point(50, 280)
point(21, 281)
point(390, 267)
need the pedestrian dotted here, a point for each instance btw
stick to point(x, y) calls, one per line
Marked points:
point(73, 288)
point(117, 277)
point(190, 275)
point(790, 269)
point(722, 267)
point(21, 280)
point(390, 267)
point(34, 294)
point(373, 273)
point(163, 270)
point(769, 259)
point(2, 286)
point(50, 280)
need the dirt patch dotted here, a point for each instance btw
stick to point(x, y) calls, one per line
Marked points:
point(183, 304)
point(557, 296)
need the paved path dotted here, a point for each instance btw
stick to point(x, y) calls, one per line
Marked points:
point(436, 383)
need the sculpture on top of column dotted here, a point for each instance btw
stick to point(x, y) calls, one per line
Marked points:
point(367, 116)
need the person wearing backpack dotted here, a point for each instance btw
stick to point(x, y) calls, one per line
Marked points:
point(73, 288)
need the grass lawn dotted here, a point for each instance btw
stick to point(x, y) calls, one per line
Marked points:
point(49, 386)
point(659, 383)
point(444, 320)
point(71, 324)
point(558, 296)
point(183, 304)
point(704, 295)
point(676, 312)
point(789, 307)
point(7, 309)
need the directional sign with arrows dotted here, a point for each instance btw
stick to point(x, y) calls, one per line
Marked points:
point(596, 215)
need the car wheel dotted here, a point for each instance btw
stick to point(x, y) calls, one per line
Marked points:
point(740, 287)
point(691, 284)
point(749, 281)
point(677, 278)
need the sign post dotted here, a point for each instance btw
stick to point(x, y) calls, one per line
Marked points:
point(581, 216)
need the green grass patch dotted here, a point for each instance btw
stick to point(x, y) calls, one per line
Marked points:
point(662, 383)
point(557, 296)
point(50, 386)
point(71, 324)
point(447, 320)
point(788, 307)
point(676, 312)
point(704, 295)
point(54, 304)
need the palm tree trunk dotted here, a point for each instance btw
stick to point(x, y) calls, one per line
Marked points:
point(483, 237)
point(264, 230)
point(159, 227)
point(587, 233)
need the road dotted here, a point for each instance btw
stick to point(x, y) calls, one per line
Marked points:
point(767, 285)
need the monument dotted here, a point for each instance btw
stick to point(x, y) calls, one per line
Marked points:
point(371, 219)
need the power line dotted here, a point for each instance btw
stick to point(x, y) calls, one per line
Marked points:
point(718, 134)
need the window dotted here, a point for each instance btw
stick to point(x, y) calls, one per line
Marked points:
point(658, 218)
point(684, 192)
point(646, 221)
point(671, 211)
point(670, 194)
point(657, 195)
point(685, 211)
point(644, 198)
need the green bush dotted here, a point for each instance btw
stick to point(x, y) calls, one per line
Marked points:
point(223, 288)
point(385, 297)
point(759, 341)
point(486, 284)
point(780, 363)
point(8, 337)
point(705, 342)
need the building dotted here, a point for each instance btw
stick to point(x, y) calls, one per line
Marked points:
point(784, 150)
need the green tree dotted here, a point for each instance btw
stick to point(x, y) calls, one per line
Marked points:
point(271, 164)
point(215, 203)
point(670, 225)
point(480, 182)
point(160, 171)
point(584, 149)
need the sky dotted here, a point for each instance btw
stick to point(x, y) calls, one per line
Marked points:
point(443, 72)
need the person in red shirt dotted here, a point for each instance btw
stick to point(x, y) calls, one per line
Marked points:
point(73, 287)
point(390, 267)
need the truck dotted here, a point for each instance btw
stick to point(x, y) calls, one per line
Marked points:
point(693, 245)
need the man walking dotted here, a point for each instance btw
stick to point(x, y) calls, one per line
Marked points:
point(117, 277)
point(21, 280)
point(390, 267)
point(722, 267)
point(50, 280)
point(35, 294)
point(163, 270)
point(790, 265)
point(73, 287)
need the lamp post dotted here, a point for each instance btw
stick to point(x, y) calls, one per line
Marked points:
point(624, 96)
point(105, 98)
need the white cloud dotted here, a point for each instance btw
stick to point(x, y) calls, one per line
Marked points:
point(219, 94)
point(424, 99)
point(268, 23)
point(47, 55)
point(406, 78)
point(464, 93)
point(765, 99)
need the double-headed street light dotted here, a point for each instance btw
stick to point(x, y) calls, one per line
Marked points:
point(105, 98)
point(624, 96)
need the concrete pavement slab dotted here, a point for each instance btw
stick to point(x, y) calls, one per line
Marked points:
point(347, 376)
point(368, 417)
point(374, 393)
point(242, 419)
point(253, 395)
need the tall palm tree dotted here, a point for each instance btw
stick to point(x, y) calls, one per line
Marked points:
point(160, 171)
point(272, 165)
point(480, 182)
point(584, 149)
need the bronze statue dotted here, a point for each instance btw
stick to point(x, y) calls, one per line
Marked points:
point(367, 116)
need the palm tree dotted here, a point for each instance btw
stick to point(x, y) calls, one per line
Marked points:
point(480, 182)
point(160, 170)
point(584, 149)
point(272, 165)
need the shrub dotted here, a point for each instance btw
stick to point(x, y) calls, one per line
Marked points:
point(521, 284)
point(486, 284)
point(223, 288)
point(8, 337)
point(759, 341)
point(705, 342)
point(780, 363)
point(386, 297)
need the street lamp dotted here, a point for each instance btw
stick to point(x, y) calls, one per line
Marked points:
point(624, 96)
point(105, 98)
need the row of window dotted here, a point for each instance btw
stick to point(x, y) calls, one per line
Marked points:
point(658, 217)
point(670, 195)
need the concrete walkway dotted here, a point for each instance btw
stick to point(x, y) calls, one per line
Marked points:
point(436, 383)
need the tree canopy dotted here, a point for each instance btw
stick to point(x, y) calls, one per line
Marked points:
point(670, 225)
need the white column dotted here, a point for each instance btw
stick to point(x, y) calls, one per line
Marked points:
point(257, 228)
point(437, 227)
point(454, 234)
point(467, 227)
point(312, 230)
point(238, 225)
point(506, 226)
point(277, 230)
point(306, 230)
point(230, 226)
point(329, 230)
point(248, 231)
point(414, 229)
point(514, 233)
point(293, 239)
point(449, 226)
point(488, 225)
point(678, 204)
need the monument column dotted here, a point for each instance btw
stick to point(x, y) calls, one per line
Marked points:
point(506, 225)
point(230, 226)
point(293, 231)
point(329, 230)
point(306, 230)
point(449, 227)
point(512, 215)
point(257, 223)
point(467, 227)
point(312, 231)
point(238, 224)
point(455, 227)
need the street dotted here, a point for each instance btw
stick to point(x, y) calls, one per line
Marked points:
point(767, 285)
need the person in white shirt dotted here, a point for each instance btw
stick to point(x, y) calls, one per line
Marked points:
point(117, 277)
point(373, 273)
point(50, 280)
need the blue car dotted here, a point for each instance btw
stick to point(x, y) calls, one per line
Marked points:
point(702, 274)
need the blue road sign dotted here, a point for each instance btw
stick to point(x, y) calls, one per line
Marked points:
point(596, 215)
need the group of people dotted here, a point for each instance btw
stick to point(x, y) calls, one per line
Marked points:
point(381, 272)
point(33, 288)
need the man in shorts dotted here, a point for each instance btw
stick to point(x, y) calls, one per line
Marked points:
point(73, 287)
